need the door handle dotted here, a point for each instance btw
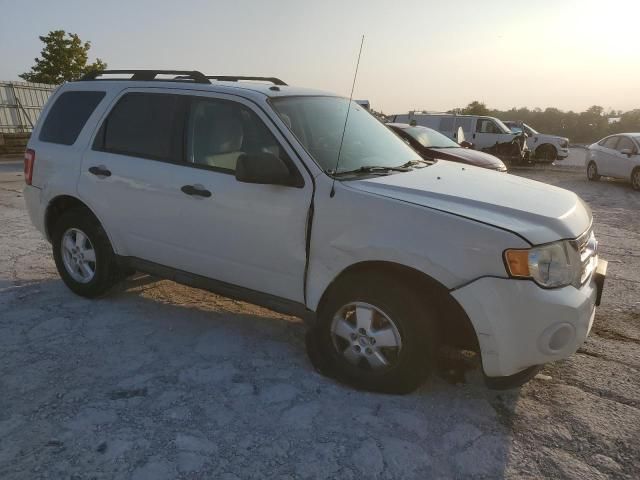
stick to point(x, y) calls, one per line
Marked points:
point(196, 191)
point(100, 171)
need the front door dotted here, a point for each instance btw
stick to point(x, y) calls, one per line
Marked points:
point(622, 163)
point(607, 156)
point(186, 210)
point(487, 134)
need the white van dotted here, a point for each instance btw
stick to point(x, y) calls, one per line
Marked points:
point(484, 133)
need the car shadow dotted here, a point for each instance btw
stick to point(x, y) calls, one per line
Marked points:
point(155, 360)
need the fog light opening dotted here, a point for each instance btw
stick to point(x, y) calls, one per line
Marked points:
point(560, 338)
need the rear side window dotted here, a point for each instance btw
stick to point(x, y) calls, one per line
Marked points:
point(68, 115)
point(147, 125)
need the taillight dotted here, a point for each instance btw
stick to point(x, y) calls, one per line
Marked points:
point(29, 160)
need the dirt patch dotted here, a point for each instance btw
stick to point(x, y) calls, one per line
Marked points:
point(162, 381)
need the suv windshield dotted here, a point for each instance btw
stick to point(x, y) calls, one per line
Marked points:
point(318, 122)
point(430, 138)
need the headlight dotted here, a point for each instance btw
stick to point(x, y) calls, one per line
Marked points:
point(553, 265)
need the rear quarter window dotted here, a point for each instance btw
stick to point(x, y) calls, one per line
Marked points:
point(68, 116)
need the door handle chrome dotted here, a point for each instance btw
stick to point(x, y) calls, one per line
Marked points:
point(195, 191)
point(100, 171)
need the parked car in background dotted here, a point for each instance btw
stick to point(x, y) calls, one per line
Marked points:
point(432, 145)
point(487, 134)
point(543, 147)
point(616, 156)
point(261, 193)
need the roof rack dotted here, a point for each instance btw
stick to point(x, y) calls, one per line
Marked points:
point(233, 78)
point(145, 75)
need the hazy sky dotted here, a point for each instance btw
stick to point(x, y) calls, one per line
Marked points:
point(425, 54)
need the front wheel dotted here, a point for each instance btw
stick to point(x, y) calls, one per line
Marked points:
point(374, 335)
point(592, 172)
point(635, 179)
point(83, 254)
point(546, 153)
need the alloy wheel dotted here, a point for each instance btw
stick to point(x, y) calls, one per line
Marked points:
point(78, 255)
point(366, 336)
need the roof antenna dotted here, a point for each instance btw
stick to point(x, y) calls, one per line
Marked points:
point(344, 129)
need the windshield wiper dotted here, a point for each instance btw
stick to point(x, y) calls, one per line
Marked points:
point(413, 163)
point(370, 169)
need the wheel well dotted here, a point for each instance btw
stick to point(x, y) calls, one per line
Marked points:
point(454, 326)
point(546, 145)
point(57, 207)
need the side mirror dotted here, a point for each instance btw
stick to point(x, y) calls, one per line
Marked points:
point(626, 151)
point(264, 168)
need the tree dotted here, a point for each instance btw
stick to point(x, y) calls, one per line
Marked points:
point(64, 58)
point(475, 108)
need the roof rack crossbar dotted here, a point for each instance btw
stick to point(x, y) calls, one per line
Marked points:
point(233, 78)
point(145, 75)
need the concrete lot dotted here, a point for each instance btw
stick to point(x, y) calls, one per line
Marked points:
point(162, 381)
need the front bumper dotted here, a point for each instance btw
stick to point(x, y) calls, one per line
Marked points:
point(519, 324)
point(562, 153)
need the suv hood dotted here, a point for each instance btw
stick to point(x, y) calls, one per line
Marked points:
point(536, 211)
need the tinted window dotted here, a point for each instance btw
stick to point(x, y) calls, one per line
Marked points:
point(486, 125)
point(221, 131)
point(625, 143)
point(147, 125)
point(610, 142)
point(68, 115)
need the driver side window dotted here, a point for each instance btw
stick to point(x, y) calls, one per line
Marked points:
point(625, 143)
point(220, 131)
point(486, 125)
point(611, 143)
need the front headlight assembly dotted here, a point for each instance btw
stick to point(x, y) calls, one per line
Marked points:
point(553, 265)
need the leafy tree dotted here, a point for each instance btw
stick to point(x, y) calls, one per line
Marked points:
point(64, 58)
point(584, 127)
point(475, 108)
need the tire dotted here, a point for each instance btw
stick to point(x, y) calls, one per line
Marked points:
point(592, 172)
point(399, 316)
point(546, 153)
point(78, 238)
point(635, 179)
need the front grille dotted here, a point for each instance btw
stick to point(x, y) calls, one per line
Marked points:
point(587, 247)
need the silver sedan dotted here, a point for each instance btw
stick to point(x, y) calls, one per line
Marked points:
point(615, 156)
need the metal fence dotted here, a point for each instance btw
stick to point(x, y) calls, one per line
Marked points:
point(20, 105)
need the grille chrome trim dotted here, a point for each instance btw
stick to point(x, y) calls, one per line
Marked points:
point(586, 246)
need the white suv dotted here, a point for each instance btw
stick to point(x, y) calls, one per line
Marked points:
point(255, 191)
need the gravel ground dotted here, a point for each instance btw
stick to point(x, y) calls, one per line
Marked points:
point(162, 381)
